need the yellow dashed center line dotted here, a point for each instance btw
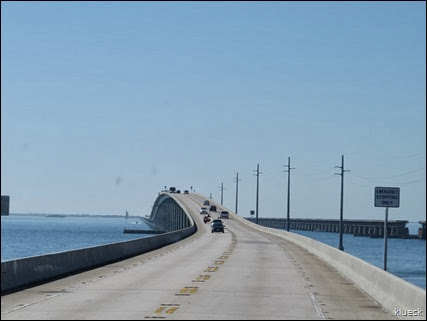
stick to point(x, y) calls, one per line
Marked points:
point(159, 310)
point(188, 290)
point(171, 310)
point(212, 269)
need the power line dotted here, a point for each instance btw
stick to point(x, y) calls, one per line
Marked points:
point(412, 182)
point(377, 157)
point(384, 157)
point(394, 176)
point(318, 173)
point(396, 183)
point(323, 179)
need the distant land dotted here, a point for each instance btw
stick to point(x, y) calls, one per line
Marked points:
point(77, 215)
point(131, 216)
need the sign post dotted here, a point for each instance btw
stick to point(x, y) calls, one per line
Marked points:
point(386, 197)
point(385, 238)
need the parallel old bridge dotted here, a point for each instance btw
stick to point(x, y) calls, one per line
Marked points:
point(189, 273)
point(371, 228)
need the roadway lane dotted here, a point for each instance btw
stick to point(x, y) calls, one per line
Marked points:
point(239, 274)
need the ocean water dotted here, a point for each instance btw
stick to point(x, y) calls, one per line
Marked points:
point(31, 235)
point(406, 258)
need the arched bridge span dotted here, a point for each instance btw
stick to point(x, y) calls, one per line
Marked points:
point(168, 214)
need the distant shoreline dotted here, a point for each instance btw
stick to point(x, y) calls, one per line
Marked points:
point(75, 215)
point(123, 215)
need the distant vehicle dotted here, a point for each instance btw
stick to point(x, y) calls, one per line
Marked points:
point(212, 208)
point(206, 219)
point(206, 203)
point(203, 210)
point(172, 189)
point(178, 191)
point(224, 214)
point(217, 226)
point(186, 191)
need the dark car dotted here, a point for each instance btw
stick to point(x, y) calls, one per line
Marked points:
point(217, 226)
point(212, 208)
point(186, 191)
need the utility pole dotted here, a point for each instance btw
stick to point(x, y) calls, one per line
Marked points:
point(222, 191)
point(257, 192)
point(341, 247)
point(289, 193)
point(237, 189)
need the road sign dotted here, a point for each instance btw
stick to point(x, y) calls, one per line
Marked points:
point(387, 196)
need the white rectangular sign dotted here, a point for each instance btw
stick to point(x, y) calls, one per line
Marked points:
point(387, 196)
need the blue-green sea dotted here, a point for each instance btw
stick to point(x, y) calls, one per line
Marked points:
point(31, 235)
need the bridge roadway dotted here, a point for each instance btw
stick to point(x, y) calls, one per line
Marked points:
point(239, 274)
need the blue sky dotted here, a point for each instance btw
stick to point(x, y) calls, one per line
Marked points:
point(105, 103)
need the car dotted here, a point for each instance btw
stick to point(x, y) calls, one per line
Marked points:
point(172, 189)
point(204, 210)
point(186, 191)
point(178, 191)
point(217, 226)
point(224, 214)
point(206, 203)
point(212, 208)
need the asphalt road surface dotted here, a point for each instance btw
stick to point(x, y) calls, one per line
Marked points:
point(239, 274)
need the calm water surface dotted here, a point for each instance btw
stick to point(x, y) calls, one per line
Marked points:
point(31, 235)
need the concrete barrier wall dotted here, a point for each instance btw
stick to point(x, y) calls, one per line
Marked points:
point(17, 274)
point(391, 292)
point(21, 273)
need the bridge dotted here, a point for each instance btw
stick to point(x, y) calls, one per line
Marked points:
point(371, 228)
point(248, 272)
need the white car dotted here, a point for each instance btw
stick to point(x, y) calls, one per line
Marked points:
point(204, 210)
